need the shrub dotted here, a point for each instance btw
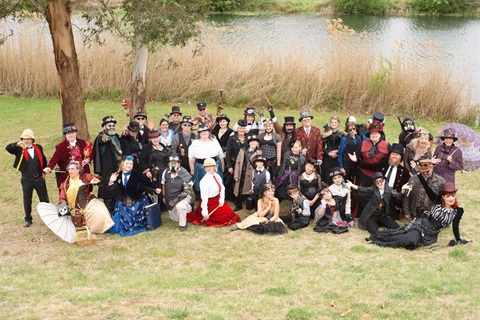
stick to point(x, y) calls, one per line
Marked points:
point(443, 6)
point(362, 6)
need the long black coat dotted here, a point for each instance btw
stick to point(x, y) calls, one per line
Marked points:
point(373, 203)
point(136, 185)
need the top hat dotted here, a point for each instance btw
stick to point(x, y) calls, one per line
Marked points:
point(447, 187)
point(242, 123)
point(397, 148)
point(133, 126)
point(201, 106)
point(202, 127)
point(259, 158)
point(69, 127)
point(448, 133)
point(335, 172)
point(27, 134)
point(249, 111)
point(378, 116)
point(305, 114)
point(108, 119)
point(175, 109)
point(173, 157)
point(222, 117)
point(209, 162)
point(289, 120)
point(154, 134)
point(187, 119)
point(140, 114)
point(252, 138)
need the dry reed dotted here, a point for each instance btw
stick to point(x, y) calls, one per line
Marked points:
point(350, 76)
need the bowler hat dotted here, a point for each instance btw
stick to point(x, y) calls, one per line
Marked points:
point(377, 175)
point(209, 162)
point(133, 126)
point(249, 111)
point(289, 120)
point(108, 119)
point(69, 127)
point(186, 119)
point(305, 114)
point(242, 123)
point(175, 109)
point(448, 133)
point(201, 106)
point(202, 127)
point(222, 117)
point(397, 148)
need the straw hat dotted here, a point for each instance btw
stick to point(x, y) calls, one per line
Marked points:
point(209, 162)
point(27, 134)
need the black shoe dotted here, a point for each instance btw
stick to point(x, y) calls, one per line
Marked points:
point(27, 224)
point(237, 208)
point(183, 228)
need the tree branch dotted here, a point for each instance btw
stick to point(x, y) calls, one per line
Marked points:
point(39, 6)
point(113, 18)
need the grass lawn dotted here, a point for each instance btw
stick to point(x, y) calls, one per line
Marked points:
point(208, 273)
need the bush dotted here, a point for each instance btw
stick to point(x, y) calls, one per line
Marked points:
point(443, 6)
point(362, 6)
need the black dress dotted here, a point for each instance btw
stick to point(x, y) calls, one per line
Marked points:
point(309, 189)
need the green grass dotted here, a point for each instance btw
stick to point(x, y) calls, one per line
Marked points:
point(214, 273)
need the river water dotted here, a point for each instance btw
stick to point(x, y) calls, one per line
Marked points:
point(453, 42)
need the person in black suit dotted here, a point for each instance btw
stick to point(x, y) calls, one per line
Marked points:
point(30, 161)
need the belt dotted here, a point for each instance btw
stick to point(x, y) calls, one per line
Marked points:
point(201, 161)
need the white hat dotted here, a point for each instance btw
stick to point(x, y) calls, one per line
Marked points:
point(27, 134)
point(209, 162)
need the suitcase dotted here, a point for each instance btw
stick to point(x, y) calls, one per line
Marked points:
point(153, 216)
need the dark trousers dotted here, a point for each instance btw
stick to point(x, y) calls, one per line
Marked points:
point(27, 187)
point(110, 204)
point(381, 221)
point(293, 225)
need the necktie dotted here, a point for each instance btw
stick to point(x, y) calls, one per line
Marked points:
point(389, 173)
point(126, 176)
point(307, 131)
point(218, 184)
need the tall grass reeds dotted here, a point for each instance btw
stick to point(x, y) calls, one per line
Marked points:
point(351, 76)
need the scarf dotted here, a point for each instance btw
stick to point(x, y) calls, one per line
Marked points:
point(73, 186)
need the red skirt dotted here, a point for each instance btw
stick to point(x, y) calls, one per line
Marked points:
point(223, 216)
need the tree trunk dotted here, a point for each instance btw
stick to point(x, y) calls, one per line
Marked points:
point(138, 93)
point(71, 95)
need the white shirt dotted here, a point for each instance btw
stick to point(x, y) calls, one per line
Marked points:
point(201, 150)
point(209, 189)
point(391, 181)
point(31, 151)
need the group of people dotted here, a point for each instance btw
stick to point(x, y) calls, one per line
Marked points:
point(331, 177)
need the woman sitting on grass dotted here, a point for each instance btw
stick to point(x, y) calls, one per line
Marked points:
point(129, 207)
point(76, 190)
point(327, 215)
point(424, 231)
point(266, 219)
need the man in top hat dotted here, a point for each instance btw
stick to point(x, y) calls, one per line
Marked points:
point(310, 137)
point(205, 117)
point(416, 201)
point(182, 141)
point(176, 185)
point(286, 132)
point(448, 157)
point(131, 139)
point(377, 211)
point(141, 118)
point(70, 149)
point(109, 149)
point(176, 123)
point(396, 177)
point(30, 161)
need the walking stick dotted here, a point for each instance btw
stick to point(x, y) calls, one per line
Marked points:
point(203, 220)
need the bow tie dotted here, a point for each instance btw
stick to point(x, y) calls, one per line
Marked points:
point(259, 171)
point(31, 147)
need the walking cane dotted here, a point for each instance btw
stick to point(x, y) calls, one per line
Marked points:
point(203, 220)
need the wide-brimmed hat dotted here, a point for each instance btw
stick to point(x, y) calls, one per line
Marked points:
point(108, 119)
point(133, 126)
point(335, 172)
point(69, 127)
point(140, 114)
point(186, 119)
point(202, 127)
point(425, 164)
point(201, 106)
point(305, 114)
point(447, 187)
point(222, 117)
point(209, 162)
point(175, 109)
point(154, 134)
point(259, 158)
point(448, 133)
point(375, 126)
point(242, 123)
point(397, 148)
point(27, 134)
point(378, 175)
point(249, 111)
point(289, 120)
point(252, 137)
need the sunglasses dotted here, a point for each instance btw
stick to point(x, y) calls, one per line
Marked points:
point(379, 181)
point(111, 125)
point(187, 125)
point(424, 165)
point(352, 129)
point(140, 118)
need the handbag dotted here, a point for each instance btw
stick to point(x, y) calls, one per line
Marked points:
point(250, 202)
point(78, 220)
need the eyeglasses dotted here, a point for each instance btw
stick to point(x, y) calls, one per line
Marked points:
point(140, 118)
point(187, 125)
point(379, 181)
point(424, 165)
point(111, 125)
point(352, 129)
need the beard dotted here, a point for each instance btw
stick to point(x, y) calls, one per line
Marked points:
point(393, 162)
point(111, 132)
